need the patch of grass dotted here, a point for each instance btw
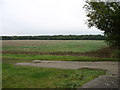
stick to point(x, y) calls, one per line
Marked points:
point(35, 77)
point(55, 57)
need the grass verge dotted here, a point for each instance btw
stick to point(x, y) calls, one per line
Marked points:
point(55, 57)
point(35, 77)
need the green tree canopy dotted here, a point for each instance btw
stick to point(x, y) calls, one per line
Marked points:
point(106, 17)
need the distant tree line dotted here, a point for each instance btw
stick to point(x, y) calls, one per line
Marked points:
point(55, 37)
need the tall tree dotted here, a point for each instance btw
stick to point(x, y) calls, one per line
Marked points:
point(106, 17)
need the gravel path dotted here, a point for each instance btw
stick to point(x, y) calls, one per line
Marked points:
point(105, 81)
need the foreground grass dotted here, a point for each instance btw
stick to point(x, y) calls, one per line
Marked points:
point(54, 57)
point(35, 77)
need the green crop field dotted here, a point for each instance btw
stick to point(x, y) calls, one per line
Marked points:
point(53, 45)
point(14, 51)
point(83, 50)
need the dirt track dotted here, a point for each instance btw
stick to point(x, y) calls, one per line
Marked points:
point(111, 67)
point(101, 82)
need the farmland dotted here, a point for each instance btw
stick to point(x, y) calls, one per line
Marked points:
point(52, 45)
point(67, 50)
point(57, 50)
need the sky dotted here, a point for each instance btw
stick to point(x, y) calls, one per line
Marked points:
point(44, 17)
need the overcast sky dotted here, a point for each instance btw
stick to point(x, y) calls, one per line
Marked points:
point(43, 17)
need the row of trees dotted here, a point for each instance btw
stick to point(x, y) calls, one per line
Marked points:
point(55, 37)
